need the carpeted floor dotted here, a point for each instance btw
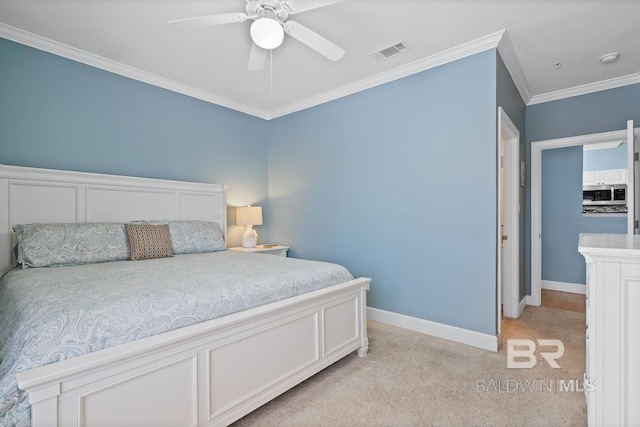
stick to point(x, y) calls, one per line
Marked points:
point(411, 379)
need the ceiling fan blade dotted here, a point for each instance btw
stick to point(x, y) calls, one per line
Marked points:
point(257, 58)
point(314, 40)
point(206, 21)
point(298, 6)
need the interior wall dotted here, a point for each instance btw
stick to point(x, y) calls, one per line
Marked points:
point(59, 114)
point(562, 218)
point(596, 112)
point(509, 99)
point(608, 158)
point(398, 183)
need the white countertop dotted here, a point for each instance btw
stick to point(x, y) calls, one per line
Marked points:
point(609, 244)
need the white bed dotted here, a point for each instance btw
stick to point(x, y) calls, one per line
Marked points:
point(192, 376)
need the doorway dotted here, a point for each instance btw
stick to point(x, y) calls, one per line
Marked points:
point(509, 184)
point(537, 148)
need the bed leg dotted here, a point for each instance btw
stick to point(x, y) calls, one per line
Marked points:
point(362, 351)
point(364, 348)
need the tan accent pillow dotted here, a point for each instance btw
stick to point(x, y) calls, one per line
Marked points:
point(148, 241)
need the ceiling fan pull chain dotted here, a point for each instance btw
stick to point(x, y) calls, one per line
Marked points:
point(271, 71)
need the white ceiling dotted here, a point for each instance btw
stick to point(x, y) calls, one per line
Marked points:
point(130, 37)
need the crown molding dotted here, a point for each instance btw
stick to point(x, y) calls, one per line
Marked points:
point(499, 40)
point(630, 79)
point(29, 39)
point(481, 44)
point(512, 62)
point(467, 49)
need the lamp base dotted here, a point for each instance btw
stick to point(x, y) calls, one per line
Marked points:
point(249, 238)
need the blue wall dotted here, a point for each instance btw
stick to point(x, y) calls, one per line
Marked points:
point(581, 115)
point(398, 183)
point(342, 179)
point(562, 218)
point(561, 215)
point(60, 114)
point(609, 158)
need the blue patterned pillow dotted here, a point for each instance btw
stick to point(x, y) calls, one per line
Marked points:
point(44, 245)
point(192, 237)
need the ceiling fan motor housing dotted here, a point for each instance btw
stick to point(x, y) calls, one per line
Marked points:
point(273, 9)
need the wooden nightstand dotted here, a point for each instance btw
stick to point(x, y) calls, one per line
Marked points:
point(265, 249)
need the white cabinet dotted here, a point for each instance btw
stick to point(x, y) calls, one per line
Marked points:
point(614, 176)
point(612, 378)
point(605, 177)
point(591, 178)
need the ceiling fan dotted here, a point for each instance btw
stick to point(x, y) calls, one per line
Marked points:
point(270, 23)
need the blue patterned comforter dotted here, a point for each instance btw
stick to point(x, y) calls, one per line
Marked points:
point(56, 313)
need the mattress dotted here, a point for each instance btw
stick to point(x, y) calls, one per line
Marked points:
point(57, 313)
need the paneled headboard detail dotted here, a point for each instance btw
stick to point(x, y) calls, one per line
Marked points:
point(29, 195)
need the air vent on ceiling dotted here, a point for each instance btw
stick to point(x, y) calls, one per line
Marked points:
point(390, 51)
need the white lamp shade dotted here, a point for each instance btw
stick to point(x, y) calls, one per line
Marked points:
point(267, 33)
point(249, 215)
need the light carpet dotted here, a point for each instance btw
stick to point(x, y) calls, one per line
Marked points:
point(412, 379)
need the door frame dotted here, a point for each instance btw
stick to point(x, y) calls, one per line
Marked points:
point(537, 147)
point(508, 292)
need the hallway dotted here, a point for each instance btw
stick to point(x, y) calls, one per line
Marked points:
point(564, 300)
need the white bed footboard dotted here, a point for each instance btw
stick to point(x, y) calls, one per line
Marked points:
point(207, 374)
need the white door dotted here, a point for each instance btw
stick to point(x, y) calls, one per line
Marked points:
point(632, 181)
point(508, 218)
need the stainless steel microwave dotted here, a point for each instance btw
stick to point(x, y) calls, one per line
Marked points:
point(596, 195)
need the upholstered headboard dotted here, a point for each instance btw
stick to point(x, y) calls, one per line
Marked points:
point(29, 195)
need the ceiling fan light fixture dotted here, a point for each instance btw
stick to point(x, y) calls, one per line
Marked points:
point(267, 33)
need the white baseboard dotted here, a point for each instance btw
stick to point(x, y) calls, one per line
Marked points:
point(574, 288)
point(440, 330)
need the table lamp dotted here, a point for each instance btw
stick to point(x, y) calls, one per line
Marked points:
point(249, 216)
